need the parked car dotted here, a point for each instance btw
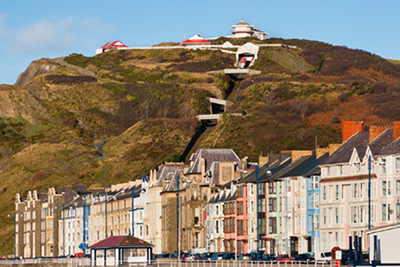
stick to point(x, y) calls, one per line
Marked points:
point(228, 256)
point(206, 256)
point(284, 258)
point(217, 256)
point(184, 256)
point(253, 255)
point(193, 257)
point(305, 257)
point(323, 257)
point(269, 257)
point(244, 256)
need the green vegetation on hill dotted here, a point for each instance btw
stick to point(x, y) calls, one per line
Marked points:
point(142, 104)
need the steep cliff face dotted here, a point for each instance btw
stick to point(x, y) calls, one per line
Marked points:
point(36, 68)
point(19, 103)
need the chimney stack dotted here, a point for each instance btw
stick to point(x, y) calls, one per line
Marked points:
point(350, 128)
point(396, 130)
point(375, 131)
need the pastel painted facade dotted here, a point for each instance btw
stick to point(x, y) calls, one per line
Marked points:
point(363, 172)
point(244, 226)
point(231, 221)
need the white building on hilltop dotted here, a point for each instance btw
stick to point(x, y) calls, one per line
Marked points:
point(243, 29)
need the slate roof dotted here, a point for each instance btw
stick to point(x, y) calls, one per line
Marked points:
point(381, 142)
point(262, 171)
point(127, 241)
point(172, 186)
point(317, 169)
point(392, 148)
point(359, 141)
point(168, 172)
point(231, 196)
point(299, 167)
point(210, 156)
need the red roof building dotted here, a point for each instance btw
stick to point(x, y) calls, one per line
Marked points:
point(111, 45)
point(195, 40)
point(121, 250)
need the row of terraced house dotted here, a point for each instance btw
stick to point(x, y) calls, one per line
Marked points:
point(287, 203)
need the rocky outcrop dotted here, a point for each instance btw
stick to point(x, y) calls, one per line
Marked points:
point(36, 68)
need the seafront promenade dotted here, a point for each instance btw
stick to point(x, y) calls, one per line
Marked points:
point(70, 262)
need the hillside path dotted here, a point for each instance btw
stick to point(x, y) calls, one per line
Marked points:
point(60, 60)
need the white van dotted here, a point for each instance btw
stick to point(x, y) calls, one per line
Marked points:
point(323, 257)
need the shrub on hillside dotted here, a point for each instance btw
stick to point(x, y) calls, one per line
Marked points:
point(67, 79)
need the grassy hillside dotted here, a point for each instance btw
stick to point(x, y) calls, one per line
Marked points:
point(141, 104)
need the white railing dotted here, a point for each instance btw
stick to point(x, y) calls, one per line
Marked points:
point(238, 263)
point(71, 262)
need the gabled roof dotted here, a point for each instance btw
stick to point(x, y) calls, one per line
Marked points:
point(172, 185)
point(168, 172)
point(210, 156)
point(196, 39)
point(122, 241)
point(392, 148)
point(359, 141)
point(248, 48)
point(384, 142)
point(275, 167)
point(113, 44)
point(299, 167)
point(317, 170)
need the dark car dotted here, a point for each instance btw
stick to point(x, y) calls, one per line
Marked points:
point(269, 257)
point(207, 256)
point(228, 256)
point(217, 256)
point(253, 255)
point(304, 257)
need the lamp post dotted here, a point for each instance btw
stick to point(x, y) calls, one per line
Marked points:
point(63, 212)
point(257, 209)
point(105, 210)
point(369, 192)
point(369, 186)
point(133, 211)
point(45, 229)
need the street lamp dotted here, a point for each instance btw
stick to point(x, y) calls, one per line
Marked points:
point(369, 184)
point(133, 211)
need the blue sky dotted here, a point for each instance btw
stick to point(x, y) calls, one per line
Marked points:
point(30, 30)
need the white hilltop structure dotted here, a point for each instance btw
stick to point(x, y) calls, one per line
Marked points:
point(240, 30)
point(243, 29)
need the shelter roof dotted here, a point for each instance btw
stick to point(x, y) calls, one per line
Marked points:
point(122, 241)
